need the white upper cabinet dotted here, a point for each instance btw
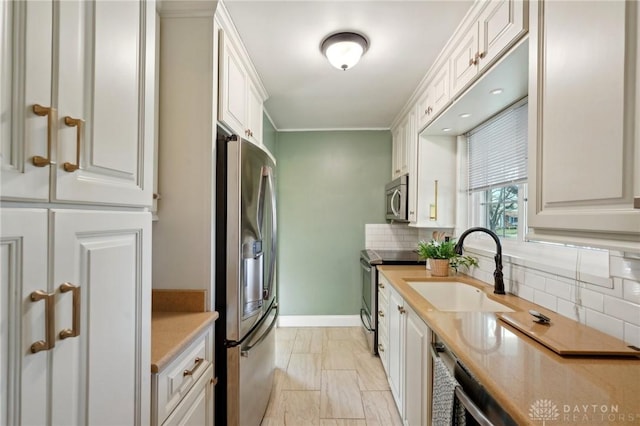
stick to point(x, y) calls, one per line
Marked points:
point(435, 97)
point(233, 87)
point(584, 110)
point(498, 26)
point(436, 196)
point(84, 83)
point(241, 94)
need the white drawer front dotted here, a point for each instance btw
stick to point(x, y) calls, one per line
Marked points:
point(175, 381)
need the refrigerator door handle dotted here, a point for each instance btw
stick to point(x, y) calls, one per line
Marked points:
point(245, 352)
point(268, 173)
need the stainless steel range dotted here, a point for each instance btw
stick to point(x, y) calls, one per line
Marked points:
point(369, 260)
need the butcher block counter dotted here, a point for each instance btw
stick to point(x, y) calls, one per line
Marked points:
point(521, 373)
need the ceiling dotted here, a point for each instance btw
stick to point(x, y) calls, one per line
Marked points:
point(306, 93)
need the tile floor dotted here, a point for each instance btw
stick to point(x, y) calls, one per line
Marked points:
point(326, 377)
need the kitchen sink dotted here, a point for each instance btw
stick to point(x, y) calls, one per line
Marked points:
point(454, 296)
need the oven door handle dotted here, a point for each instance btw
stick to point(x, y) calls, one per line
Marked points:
point(364, 317)
point(472, 408)
point(365, 265)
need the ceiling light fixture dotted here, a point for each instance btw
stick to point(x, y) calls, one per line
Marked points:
point(446, 129)
point(496, 91)
point(344, 50)
point(465, 115)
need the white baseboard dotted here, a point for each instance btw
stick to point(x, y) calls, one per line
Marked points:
point(319, 321)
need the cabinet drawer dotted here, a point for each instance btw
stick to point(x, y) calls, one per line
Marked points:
point(175, 381)
point(197, 407)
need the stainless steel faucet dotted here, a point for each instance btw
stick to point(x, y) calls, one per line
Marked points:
point(498, 281)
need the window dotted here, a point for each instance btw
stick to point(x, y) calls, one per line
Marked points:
point(497, 172)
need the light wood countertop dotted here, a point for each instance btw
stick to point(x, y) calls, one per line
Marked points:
point(172, 331)
point(520, 372)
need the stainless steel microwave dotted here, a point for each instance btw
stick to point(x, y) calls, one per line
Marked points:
point(397, 200)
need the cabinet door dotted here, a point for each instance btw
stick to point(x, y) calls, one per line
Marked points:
point(398, 140)
point(411, 142)
point(417, 369)
point(233, 87)
point(101, 376)
point(105, 86)
point(436, 182)
point(396, 347)
point(254, 118)
point(501, 23)
point(463, 62)
point(439, 88)
point(24, 376)
point(582, 125)
point(25, 73)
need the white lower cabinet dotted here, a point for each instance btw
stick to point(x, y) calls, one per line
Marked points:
point(396, 347)
point(417, 398)
point(383, 322)
point(182, 392)
point(197, 407)
point(75, 308)
point(408, 365)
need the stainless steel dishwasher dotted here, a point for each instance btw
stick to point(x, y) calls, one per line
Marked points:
point(472, 404)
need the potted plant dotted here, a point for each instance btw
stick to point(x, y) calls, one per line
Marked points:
point(442, 256)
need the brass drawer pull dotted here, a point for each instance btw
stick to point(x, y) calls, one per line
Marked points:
point(198, 361)
point(401, 309)
point(49, 320)
point(79, 124)
point(380, 347)
point(51, 114)
point(381, 285)
point(75, 330)
point(381, 313)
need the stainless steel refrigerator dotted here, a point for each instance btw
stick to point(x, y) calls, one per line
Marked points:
point(246, 288)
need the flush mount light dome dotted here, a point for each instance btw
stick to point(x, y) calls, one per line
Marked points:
point(344, 50)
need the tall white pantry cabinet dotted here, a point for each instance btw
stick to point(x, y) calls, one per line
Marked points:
point(76, 131)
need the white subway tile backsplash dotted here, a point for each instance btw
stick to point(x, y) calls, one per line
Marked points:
point(571, 310)
point(631, 291)
point(560, 289)
point(624, 268)
point(605, 323)
point(622, 309)
point(591, 299)
point(534, 280)
point(525, 292)
point(632, 335)
point(545, 299)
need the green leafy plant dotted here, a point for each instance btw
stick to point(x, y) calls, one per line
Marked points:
point(445, 250)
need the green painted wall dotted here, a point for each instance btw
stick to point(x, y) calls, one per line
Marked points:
point(329, 185)
point(269, 135)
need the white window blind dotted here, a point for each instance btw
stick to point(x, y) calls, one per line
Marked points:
point(497, 149)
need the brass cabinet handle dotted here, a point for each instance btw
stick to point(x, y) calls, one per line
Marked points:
point(198, 361)
point(51, 114)
point(481, 55)
point(381, 313)
point(49, 320)
point(75, 330)
point(79, 124)
point(429, 111)
point(433, 208)
point(380, 347)
point(381, 285)
point(401, 309)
